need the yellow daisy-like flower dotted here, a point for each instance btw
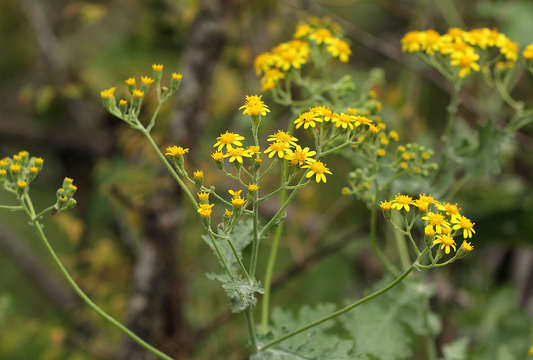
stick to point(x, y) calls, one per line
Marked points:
point(307, 119)
point(385, 205)
point(282, 136)
point(217, 156)
point(198, 174)
point(122, 103)
point(466, 246)
point(462, 222)
point(157, 67)
point(177, 76)
point(130, 81)
point(15, 168)
point(446, 241)
point(404, 165)
point(528, 52)
point(108, 93)
point(176, 151)
point(228, 212)
point(237, 200)
point(381, 152)
point(345, 121)
point(374, 129)
point(253, 149)
point(321, 35)
point(299, 156)
point(402, 202)
point(253, 187)
point(263, 62)
point(278, 148)
point(203, 196)
point(271, 77)
point(205, 210)
point(429, 231)
point(254, 106)
point(22, 184)
point(228, 139)
point(364, 121)
point(423, 202)
point(466, 61)
point(236, 154)
point(138, 93)
point(317, 168)
point(452, 210)
point(394, 135)
point(437, 220)
point(146, 80)
point(302, 30)
point(323, 111)
point(339, 48)
point(412, 41)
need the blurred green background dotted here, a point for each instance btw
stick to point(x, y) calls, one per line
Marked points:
point(136, 250)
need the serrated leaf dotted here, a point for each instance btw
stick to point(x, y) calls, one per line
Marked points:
point(316, 343)
point(242, 293)
point(456, 350)
point(383, 328)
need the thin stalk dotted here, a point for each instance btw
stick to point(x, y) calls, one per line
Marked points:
point(340, 311)
point(402, 249)
point(373, 229)
point(219, 254)
point(452, 109)
point(80, 292)
point(12, 207)
point(251, 328)
point(265, 305)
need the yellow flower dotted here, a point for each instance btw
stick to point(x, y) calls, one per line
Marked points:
point(271, 77)
point(412, 41)
point(401, 148)
point(352, 111)
point(228, 139)
point(236, 154)
point(429, 231)
point(307, 119)
point(462, 222)
point(323, 111)
point(302, 30)
point(451, 209)
point(466, 61)
point(130, 81)
point(3, 172)
point(363, 120)
point(374, 129)
point(228, 212)
point(426, 156)
point(431, 41)
point(339, 48)
point(299, 156)
point(402, 202)
point(278, 148)
point(345, 121)
point(198, 174)
point(157, 67)
point(423, 202)
point(138, 93)
point(147, 80)
point(253, 187)
point(283, 136)
point(466, 246)
point(446, 241)
point(15, 168)
point(108, 93)
point(320, 35)
point(381, 152)
point(384, 140)
point(237, 200)
point(437, 220)
point(317, 168)
point(21, 184)
point(254, 106)
point(217, 156)
point(39, 161)
point(235, 193)
point(122, 102)
point(528, 54)
point(176, 151)
point(406, 156)
point(205, 210)
point(404, 165)
point(292, 54)
point(263, 62)
point(203, 196)
point(253, 149)
point(177, 76)
point(394, 135)
point(385, 205)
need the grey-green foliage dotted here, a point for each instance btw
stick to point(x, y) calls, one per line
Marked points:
point(385, 327)
point(317, 343)
point(456, 350)
point(241, 291)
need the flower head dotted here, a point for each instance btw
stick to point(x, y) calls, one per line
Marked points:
point(299, 155)
point(157, 67)
point(278, 148)
point(130, 81)
point(385, 205)
point(345, 121)
point(108, 93)
point(228, 139)
point(176, 151)
point(236, 154)
point(217, 156)
point(203, 196)
point(339, 48)
point(282, 136)
point(205, 210)
point(177, 76)
point(402, 202)
point(307, 119)
point(198, 174)
point(437, 220)
point(254, 106)
point(138, 93)
point(317, 168)
point(253, 187)
point(466, 246)
point(147, 80)
point(462, 222)
point(22, 184)
point(446, 241)
point(321, 35)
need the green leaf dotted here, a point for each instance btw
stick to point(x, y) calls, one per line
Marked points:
point(315, 343)
point(456, 350)
point(384, 328)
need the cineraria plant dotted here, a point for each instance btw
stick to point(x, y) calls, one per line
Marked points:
point(328, 118)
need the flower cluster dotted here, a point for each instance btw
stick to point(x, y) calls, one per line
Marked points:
point(442, 221)
point(315, 35)
point(18, 171)
point(460, 50)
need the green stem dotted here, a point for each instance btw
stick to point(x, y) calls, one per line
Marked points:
point(219, 254)
point(251, 327)
point(452, 109)
point(340, 311)
point(373, 229)
point(170, 168)
point(12, 207)
point(80, 292)
point(402, 248)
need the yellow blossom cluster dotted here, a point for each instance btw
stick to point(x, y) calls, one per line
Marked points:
point(17, 171)
point(320, 33)
point(528, 52)
point(462, 48)
point(443, 221)
point(323, 114)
